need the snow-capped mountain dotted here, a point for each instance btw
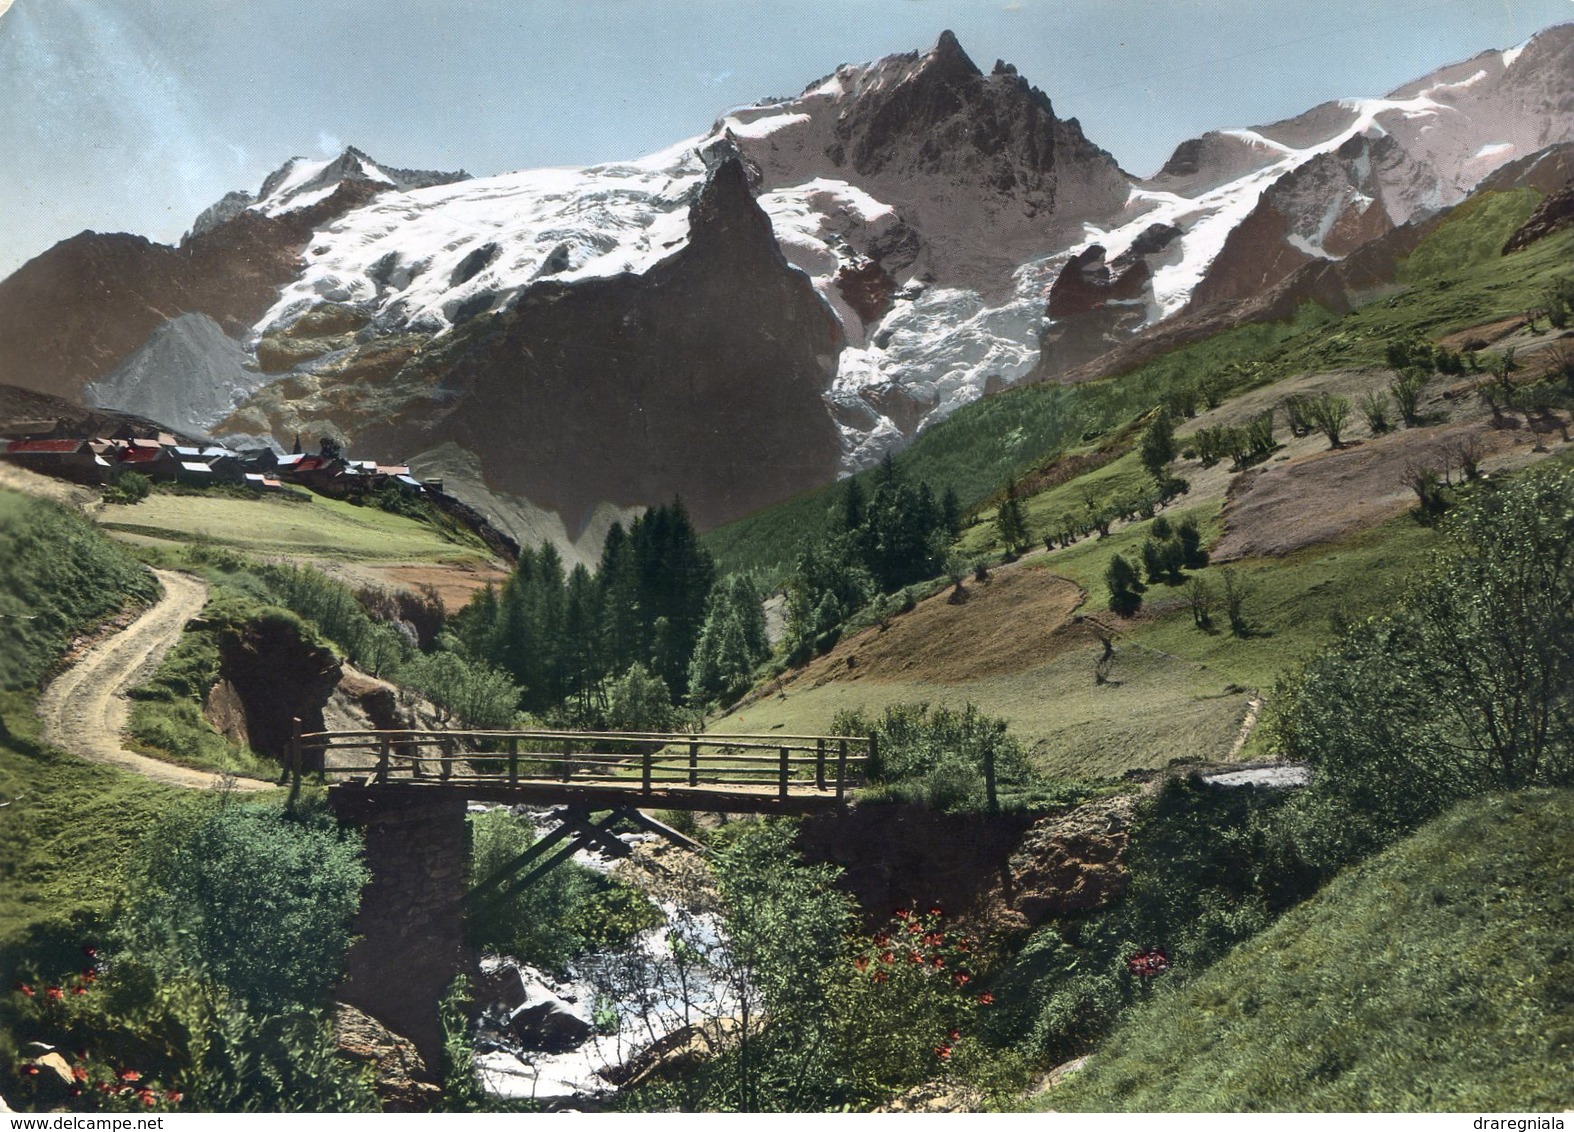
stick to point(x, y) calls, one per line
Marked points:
point(934, 232)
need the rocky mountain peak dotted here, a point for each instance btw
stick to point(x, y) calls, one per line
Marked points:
point(726, 216)
point(948, 58)
point(301, 181)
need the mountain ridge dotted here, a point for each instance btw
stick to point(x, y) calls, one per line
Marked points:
point(960, 235)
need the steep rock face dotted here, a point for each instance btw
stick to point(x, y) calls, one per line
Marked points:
point(188, 374)
point(979, 167)
point(268, 677)
point(701, 377)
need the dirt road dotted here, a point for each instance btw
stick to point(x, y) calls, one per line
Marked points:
point(85, 709)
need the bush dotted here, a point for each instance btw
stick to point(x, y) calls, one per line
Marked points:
point(936, 756)
point(255, 900)
point(1467, 687)
point(128, 487)
point(474, 694)
point(140, 1039)
point(1125, 586)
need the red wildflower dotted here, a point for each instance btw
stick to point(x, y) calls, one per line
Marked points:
point(961, 978)
point(173, 1097)
point(55, 993)
point(953, 1035)
point(888, 957)
point(861, 963)
point(90, 951)
point(25, 989)
point(878, 977)
point(938, 961)
point(881, 939)
point(901, 913)
point(936, 912)
point(915, 928)
point(129, 1075)
point(147, 1097)
point(914, 957)
point(104, 1086)
point(30, 1071)
point(90, 976)
point(942, 1052)
point(78, 990)
point(934, 939)
point(986, 999)
point(79, 1073)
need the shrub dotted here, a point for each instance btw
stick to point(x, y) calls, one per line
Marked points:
point(937, 756)
point(254, 899)
point(140, 1039)
point(1407, 390)
point(1329, 413)
point(1374, 407)
point(1124, 585)
point(1467, 686)
point(471, 692)
point(128, 487)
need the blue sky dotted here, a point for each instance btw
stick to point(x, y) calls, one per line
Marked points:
point(134, 115)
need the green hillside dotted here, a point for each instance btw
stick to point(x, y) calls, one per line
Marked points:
point(1456, 280)
point(1437, 975)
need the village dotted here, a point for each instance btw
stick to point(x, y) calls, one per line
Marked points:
point(47, 447)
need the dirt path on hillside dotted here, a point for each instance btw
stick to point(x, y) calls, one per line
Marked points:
point(85, 709)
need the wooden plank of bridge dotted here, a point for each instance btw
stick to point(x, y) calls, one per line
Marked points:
point(644, 821)
point(522, 861)
point(657, 775)
point(841, 769)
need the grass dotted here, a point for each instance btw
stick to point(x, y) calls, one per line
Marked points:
point(325, 530)
point(57, 576)
point(1175, 691)
point(1436, 976)
point(67, 826)
point(1013, 433)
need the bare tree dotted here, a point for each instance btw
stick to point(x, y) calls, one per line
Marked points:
point(1236, 591)
point(1200, 594)
point(1330, 413)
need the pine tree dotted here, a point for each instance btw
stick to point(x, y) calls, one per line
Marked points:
point(1010, 521)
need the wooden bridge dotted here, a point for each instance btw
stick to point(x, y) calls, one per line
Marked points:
point(408, 793)
point(595, 769)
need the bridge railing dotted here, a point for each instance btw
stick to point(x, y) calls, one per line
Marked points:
point(642, 761)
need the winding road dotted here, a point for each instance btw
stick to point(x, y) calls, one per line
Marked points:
point(85, 709)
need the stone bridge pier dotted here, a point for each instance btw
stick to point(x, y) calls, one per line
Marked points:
point(411, 924)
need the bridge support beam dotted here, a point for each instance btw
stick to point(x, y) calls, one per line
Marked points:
point(411, 922)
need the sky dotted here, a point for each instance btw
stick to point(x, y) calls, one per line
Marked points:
point(134, 115)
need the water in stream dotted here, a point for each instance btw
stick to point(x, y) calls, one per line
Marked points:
point(664, 980)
